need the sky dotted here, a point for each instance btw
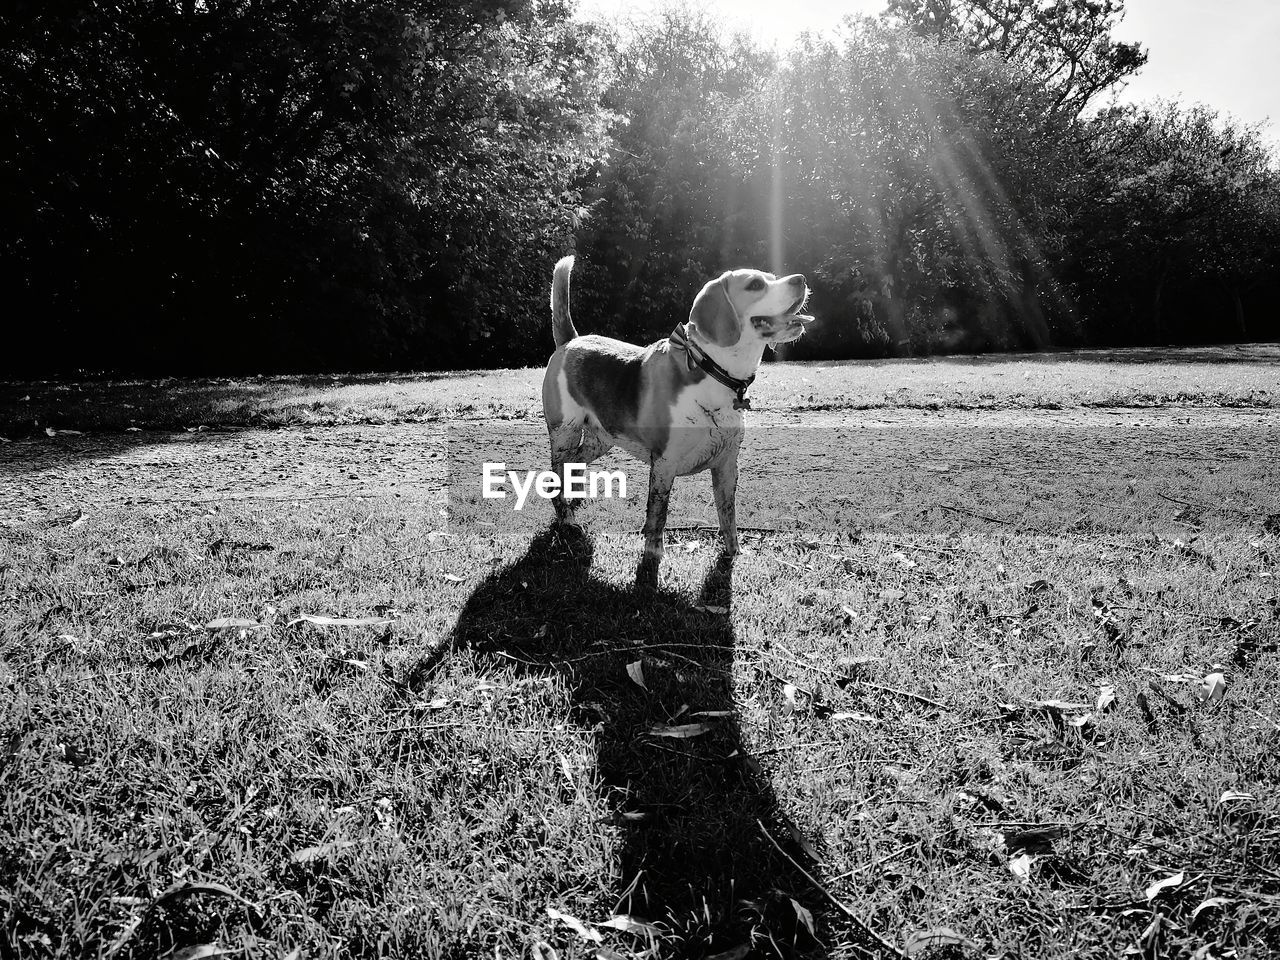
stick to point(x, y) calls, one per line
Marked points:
point(1224, 53)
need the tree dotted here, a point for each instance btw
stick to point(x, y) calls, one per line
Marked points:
point(287, 183)
point(1179, 220)
point(921, 189)
point(1064, 46)
point(657, 223)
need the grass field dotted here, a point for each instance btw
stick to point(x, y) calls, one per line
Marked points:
point(997, 674)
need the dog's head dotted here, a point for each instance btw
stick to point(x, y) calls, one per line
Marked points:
point(752, 305)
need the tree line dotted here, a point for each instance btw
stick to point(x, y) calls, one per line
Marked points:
point(258, 185)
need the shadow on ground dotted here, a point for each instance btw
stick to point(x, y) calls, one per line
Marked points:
point(694, 857)
point(1266, 354)
point(27, 407)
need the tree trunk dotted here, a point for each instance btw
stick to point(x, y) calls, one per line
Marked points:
point(1238, 303)
point(1157, 320)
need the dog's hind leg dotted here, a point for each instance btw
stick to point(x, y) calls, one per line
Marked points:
point(724, 486)
point(661, 478)
point(566, 441)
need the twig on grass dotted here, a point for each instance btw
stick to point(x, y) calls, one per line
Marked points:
point(795, 661)
point(940, 551)
point(1207, 508)
point(981, 720)
point(1123, 905)
point(837, 903)
point(710, 528)
point(475, 724)
point(646, 646)
point(855, 763)
point(124, 673)
point(796, 746)
point(974, 513)
point(680, 753)
point(1264, 717)
point(408, 556)
point(906, 693)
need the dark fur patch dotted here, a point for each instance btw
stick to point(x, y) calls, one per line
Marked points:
point(607, 382)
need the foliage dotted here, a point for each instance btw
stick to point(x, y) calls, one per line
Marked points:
point(1062, 46)
point(922, 187)
point(231, 185)
point(658, 223)
point(285, 183)
point(1181, 225)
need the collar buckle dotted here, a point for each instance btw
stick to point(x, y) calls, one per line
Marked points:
point(679, 339)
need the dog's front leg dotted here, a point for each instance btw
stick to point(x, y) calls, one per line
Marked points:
point(724, 485)
point(655, 521)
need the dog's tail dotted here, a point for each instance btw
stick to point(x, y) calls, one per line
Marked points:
point(561, 323)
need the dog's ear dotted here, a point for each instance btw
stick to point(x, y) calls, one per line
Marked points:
point(713, 314)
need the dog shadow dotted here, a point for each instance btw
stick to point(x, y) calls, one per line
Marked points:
point(693, 855)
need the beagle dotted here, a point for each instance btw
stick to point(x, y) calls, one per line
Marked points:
point(676, 404)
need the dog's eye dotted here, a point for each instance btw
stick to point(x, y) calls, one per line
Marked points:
point(756, 284)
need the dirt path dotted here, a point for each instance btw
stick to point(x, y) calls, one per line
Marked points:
point(1056, 461)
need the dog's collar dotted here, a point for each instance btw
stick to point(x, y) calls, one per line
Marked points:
point(696, 356)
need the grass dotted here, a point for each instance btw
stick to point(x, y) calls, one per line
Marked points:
point(1243, 375)
point(882, 682)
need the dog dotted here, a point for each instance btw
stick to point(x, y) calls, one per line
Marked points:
point(676, 404)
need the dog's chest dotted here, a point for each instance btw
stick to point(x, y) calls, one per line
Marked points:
point(705, 427)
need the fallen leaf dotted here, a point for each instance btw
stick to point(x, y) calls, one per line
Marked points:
point(804, 916)
point(789, 691)
point(1232, 796)
point(576, 925)
point(892, 594)
point(1020, 866)
point(1212, 688)
point(860, 717)
point(1061, 705)
point(540, 950)
point(711, 608)
point(935, 937)
point(636, 672)
point(682, 731)
point(1210, 904)
point(201, 951)
point(1080, 721)
point(320, 851)
point(321, 621)
point(226, 623)
point(453, 578)
point(1106, 697)
point(1168, 883)
point(629, 924)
